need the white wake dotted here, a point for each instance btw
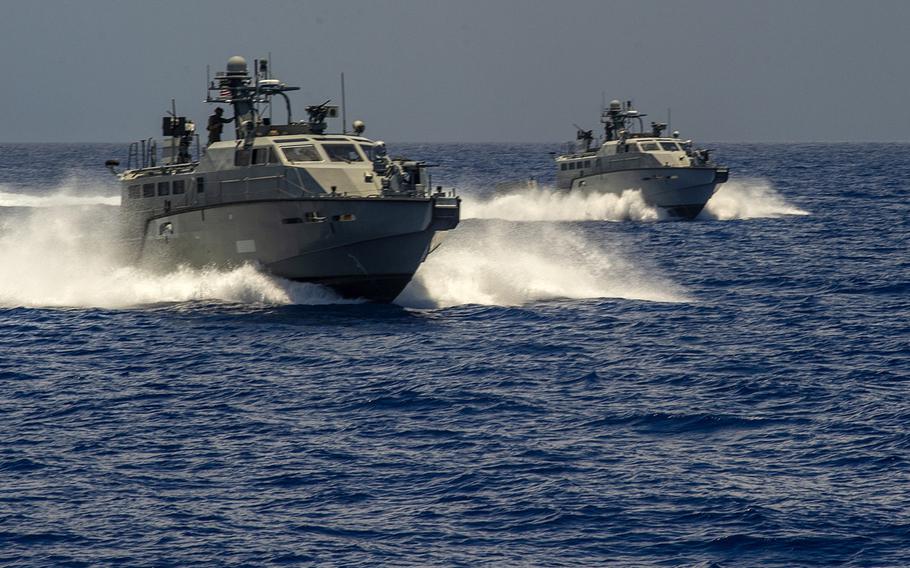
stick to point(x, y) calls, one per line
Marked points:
point(507, 264)
point(68, 257)
point(60, 198)
point(748, 198)
point(548, 204)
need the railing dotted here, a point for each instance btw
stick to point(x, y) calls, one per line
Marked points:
point(144, 154)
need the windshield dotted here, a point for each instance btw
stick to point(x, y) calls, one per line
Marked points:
point(342, 153)
point(649, 146)
point(367, 151)
point(305, 153)
point(670, 146)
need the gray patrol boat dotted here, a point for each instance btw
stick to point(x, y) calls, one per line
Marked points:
point(302, 204)
point(670, 174)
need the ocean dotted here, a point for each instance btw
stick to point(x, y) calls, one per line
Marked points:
point(568, 381)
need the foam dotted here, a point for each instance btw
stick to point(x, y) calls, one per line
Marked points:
point(748, 198)
point(548, 204)
point(64, 197)
point(68, 258)
point(507, 264)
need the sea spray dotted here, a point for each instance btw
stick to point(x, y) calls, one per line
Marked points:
point(57, 199)
point(549, 204)
point(748, 198)
point(68, 257)
point(75, 189)
point(501, 263)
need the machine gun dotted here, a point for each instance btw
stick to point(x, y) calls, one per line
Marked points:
point(587, 136)
point(317, 115)
point(702, 156)
point(657, 128)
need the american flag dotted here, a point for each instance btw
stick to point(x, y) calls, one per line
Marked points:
point(225, 93)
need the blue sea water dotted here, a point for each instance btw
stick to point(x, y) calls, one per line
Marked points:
point(569, 381)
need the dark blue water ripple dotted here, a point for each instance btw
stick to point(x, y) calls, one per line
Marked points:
point(763, 422)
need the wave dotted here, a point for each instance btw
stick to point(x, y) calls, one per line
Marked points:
point(57, 198)
point(507, 264)
point(549, 204)
point(748, 198)
point(69, 258)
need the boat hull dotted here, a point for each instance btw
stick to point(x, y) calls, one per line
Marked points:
point(680, 192)
point(363, 247)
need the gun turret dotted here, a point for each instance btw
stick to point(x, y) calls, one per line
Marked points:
point(318, 114)
point(657, 128)
point(587, 136)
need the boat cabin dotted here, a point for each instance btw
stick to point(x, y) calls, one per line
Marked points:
point(666, 151)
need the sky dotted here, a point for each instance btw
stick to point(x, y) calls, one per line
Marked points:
point(468, 70)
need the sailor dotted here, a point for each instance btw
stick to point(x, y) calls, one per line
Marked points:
point(381, 160)
point(215, 125)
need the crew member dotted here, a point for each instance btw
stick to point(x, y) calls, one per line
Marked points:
point(215, 125)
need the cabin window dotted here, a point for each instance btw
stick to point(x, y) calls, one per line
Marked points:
point(587, 163)
point(148, 190)
point(164, 188)
point(305, 153)
point(649, 147)
point(342, 153)
point(564, 167)
point(242, 158)
point(179, 187)
point(260, 156)
point(571, 165)
point(135, 191)
point(367, 151)
point(670, 146)
point(200, 185)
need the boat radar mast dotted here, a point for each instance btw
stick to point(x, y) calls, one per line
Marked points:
point(619, 118)
point(248, 93)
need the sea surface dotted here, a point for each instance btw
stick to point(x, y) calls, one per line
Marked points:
point(568, 381)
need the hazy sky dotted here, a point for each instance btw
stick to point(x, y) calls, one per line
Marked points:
point(95, 70)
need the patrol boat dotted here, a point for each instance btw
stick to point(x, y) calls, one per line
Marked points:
point(302, 204)
point(670, 173)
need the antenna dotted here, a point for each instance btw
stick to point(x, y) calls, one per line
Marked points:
point(269, 77)
point(173, 139)
point(669, 122)
point(344, 115)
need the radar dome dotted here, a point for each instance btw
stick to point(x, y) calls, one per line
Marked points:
point(236, 65)
point(615, 105)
